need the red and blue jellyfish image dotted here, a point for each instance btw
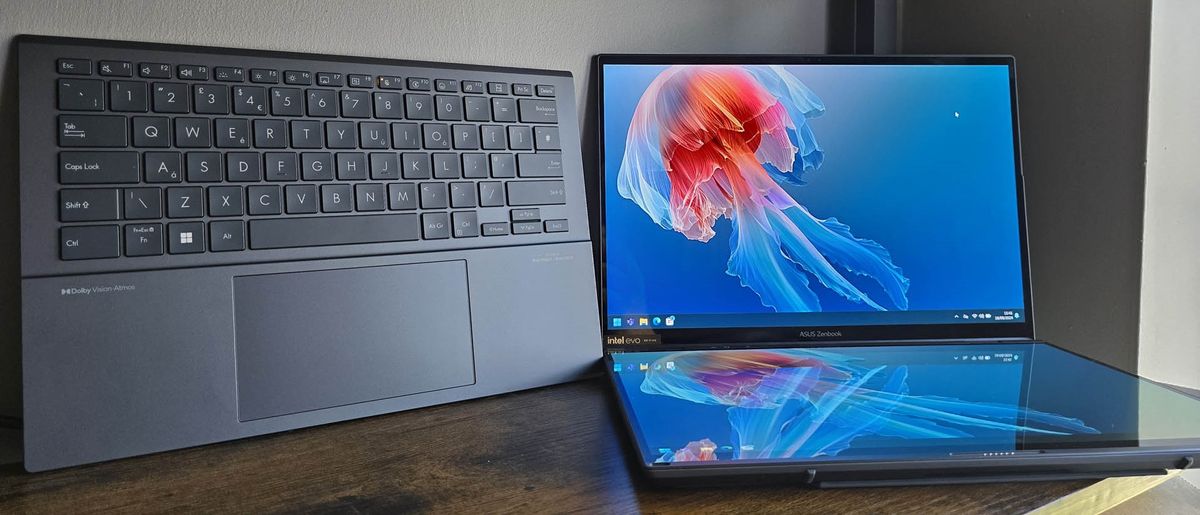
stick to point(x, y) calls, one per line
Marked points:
point(808, 403)
point(721, 141)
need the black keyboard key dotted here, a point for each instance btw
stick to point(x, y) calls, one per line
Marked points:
point(232, 132)
point(495, 229)
point(437, 135)
point(322, 102)
point(526, 227)
point(75, 66)
point(249, 100)
point(472, 86)
point(270, 134)
point(356, 104)
point(151, 131)
point(90, 242)
point(297, 78)
point(264, 200)
point(98, 167)
point(522, 90)
point(478, 109)
point(193, 133)
point(225, 201)
point(143, 240)
point(418, 106)
point(415, 165)
point(390, 82)
point(243, 167)
point(351, 166)
point(384, 166)
point(556, 225)
point(465, 224)
point(192, 72)
point(92, 131)
point(372, 135)
point(532, 193)
point(449, 107)
point(539, 165)
point(185, 238)
point(116, 68)
point(356, 80)
point(229, 74)
point(300, 199)
point(143, 203)
point(504, 110)
point(336, 198)
point(287, 102)
point(163, 167)
point(210, 99)
point(204, 167)
point(491, 194)
point(389, 105)
point(154, 71)
point(418, 83)
point(546, 138)
point(446, 85)
point(185, 202)
point(446, 166)
point(435, 226)
point(316, 166)
point(370, 197)
point(80, 95)
point(520, 137)
point(498, 88)
point(433, 195)
point(307, 134)
point(128, 96)
point(269, 76)
point(402, 196)
point(170, 97)
point(538, 111)
point(276, 233)
point(91, 205)
point(504, 166)
point(529, 214)
point(282, 166)
point(330, 79)
point(226, 236)
point(474, 166)
point(462, 194)
point(545, 90)
point(493, 137)
point(406, 136)
point(341, 135)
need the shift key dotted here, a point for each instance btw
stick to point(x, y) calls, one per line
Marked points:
point(533, 193)
point(92, 131)
point(98, 167)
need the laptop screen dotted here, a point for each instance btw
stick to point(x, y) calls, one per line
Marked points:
point(811, 195)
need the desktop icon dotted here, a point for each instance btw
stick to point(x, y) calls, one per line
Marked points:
point(657, 321)
point(658, 366)
point(616, 321)
point(643, 367)
point(670, 320)
point(670, 365)
point(629, 321)
point(616, 367)
point(643, 321)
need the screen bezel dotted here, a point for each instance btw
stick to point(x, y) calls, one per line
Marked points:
point(809, 334)
point(1062, 452)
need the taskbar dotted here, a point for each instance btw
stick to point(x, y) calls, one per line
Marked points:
point(824, 319)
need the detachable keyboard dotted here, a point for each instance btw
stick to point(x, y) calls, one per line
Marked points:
point(148, 156)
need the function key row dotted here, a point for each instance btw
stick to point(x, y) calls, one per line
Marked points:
point(68, 66)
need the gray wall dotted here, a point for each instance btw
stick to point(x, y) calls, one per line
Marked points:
point(1082, 80)
point(541, 34)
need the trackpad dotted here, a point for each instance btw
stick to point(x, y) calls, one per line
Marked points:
point(313, 340)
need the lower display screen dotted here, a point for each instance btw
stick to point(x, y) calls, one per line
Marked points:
point(889, 402)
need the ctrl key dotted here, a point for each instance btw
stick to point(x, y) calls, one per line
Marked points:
point(90, 242)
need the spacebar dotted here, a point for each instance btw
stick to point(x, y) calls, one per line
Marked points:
point(279, 233)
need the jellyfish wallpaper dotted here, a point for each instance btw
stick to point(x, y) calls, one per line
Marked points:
point(804, 403)
point(809, 189)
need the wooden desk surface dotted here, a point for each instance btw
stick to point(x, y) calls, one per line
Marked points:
point(554, 449)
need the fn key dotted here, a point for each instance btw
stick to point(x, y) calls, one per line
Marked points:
point(90, 242)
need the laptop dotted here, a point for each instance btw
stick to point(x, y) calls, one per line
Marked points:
point(814, 270)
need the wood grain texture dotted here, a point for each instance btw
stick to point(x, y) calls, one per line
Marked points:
point(557, 449)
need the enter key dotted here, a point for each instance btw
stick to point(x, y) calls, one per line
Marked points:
point(539, 165)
